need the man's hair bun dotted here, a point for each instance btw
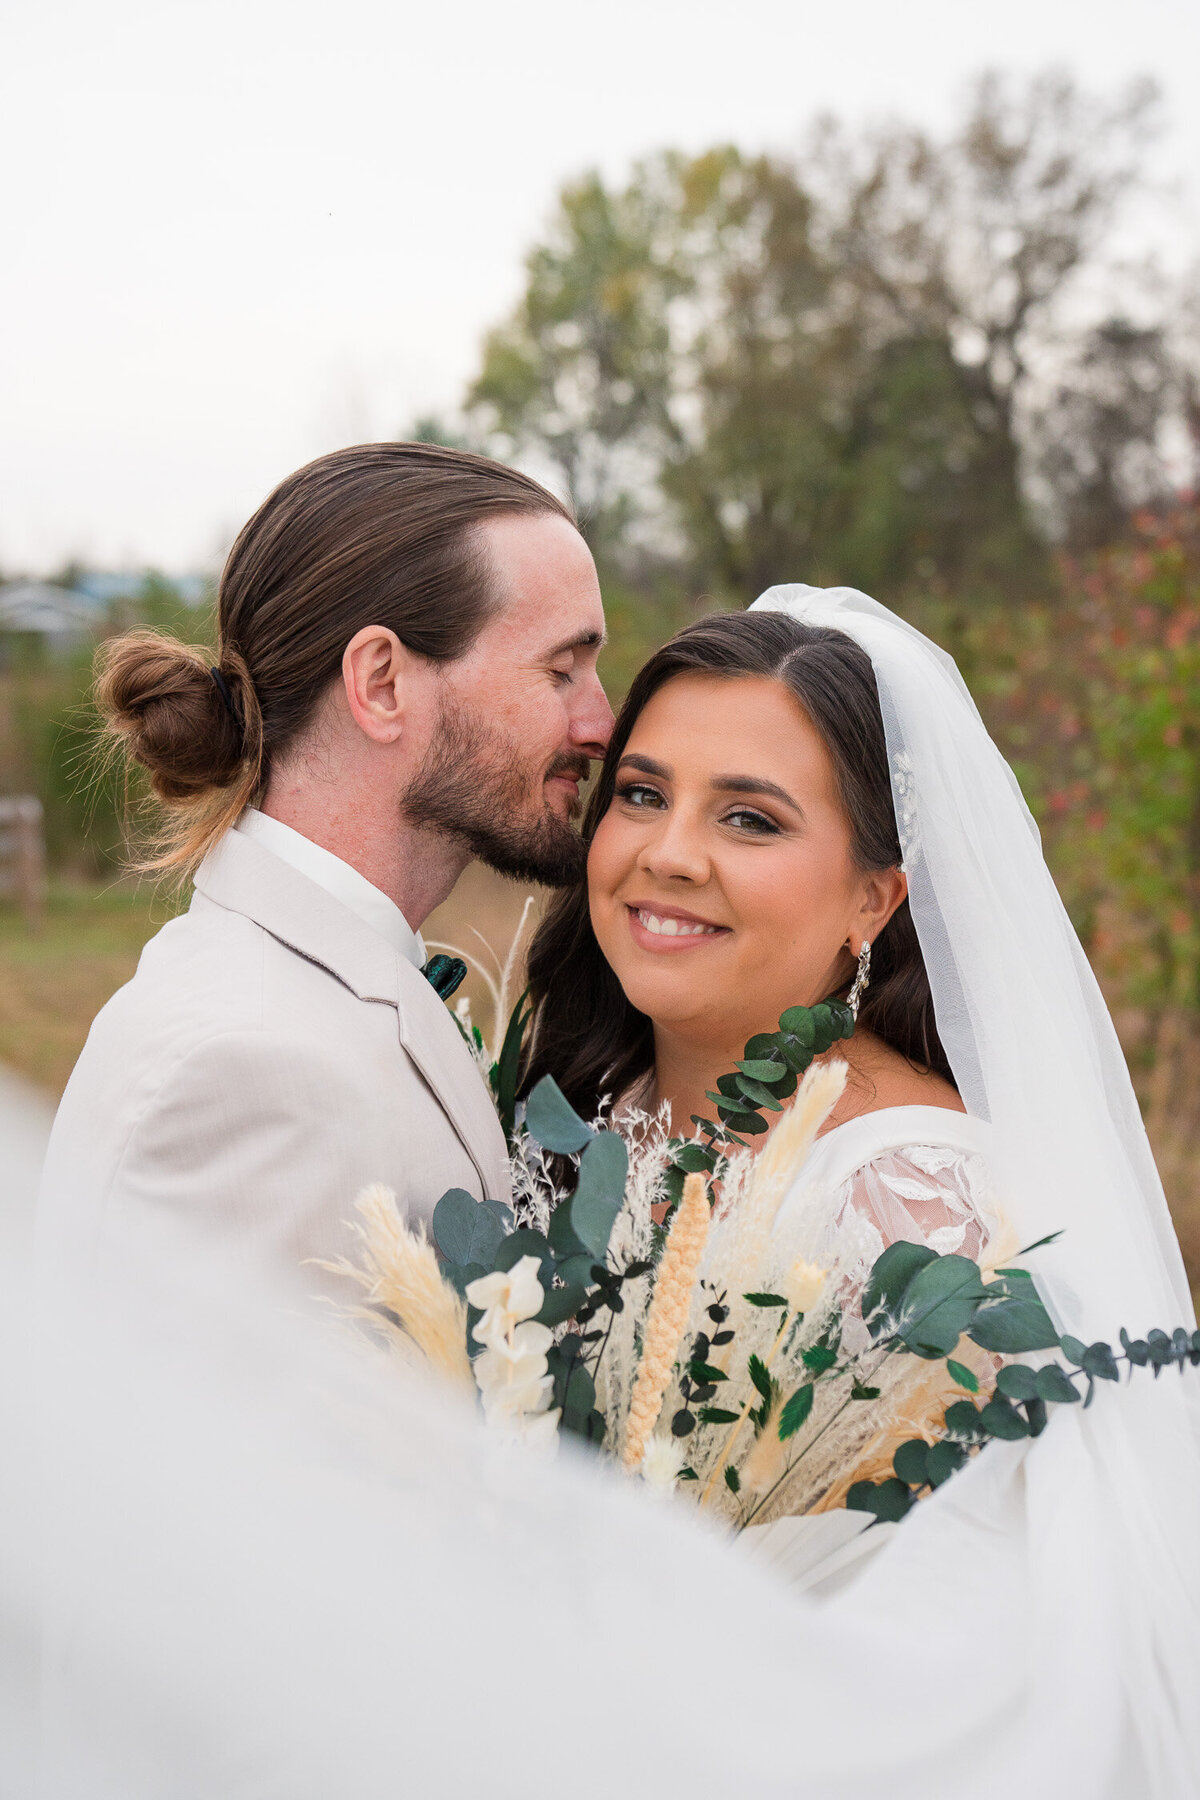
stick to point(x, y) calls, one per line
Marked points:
point(161, 701)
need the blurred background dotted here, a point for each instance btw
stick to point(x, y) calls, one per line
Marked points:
point(904, 298)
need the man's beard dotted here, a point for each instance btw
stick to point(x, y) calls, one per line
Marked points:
point(472, 788)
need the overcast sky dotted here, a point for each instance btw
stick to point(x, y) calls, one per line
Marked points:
point(241, 232)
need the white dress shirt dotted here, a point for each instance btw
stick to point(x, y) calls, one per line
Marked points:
point(338, 878)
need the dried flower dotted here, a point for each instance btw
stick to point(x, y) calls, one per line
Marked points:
point(804, 1285)
point(668, 1314)
point(662, 1460)
point(401, 1277)
point(506, 1297)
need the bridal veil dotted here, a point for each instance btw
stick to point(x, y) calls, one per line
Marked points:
point(1034, 1053)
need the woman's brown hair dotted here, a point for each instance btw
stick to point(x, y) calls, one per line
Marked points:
point(381, 534)
point(585, 1032)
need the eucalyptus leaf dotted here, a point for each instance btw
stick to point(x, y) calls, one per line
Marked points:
point(601, 1190)
point(888, 1500)
point(1016, 1382)
point(939, 1304)
point(910, 1460)
point(942, 1461)
point(1001, 1419)
point(526, 1242)
point(1014, 1326)
point(889, 1279)
point(761, 1070)
point(758, 1094)
point(467, 1230)
point(552, 1120)
point(1054, 1384)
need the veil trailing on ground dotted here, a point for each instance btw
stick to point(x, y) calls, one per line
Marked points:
point(1034, 1052)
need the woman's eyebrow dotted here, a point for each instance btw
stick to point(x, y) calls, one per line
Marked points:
point(646, 766)
point(755, 784)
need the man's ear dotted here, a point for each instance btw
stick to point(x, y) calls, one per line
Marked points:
point(885, 890)
point(378, 673)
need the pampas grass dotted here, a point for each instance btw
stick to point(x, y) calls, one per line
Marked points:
point(406, 1296)
point(667, 1319)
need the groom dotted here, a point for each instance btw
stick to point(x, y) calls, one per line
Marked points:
point(406, 681)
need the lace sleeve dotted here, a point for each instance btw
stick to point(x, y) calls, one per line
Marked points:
point(923, 1195)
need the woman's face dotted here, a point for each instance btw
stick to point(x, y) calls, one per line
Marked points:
point(721, 882)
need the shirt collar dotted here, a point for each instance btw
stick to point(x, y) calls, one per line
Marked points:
point(338, 879)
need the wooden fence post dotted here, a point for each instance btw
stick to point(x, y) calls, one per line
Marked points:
point(23, 856)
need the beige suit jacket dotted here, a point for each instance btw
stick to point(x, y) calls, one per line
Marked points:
point(271, 1056)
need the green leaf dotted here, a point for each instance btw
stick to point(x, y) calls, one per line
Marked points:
point(733, 1480)
point(694, 1159)
point(705, 1374)
point(889, 1279)
point(749, 1124)
point(563, 1241)
point(888, 1500)
point(942, 1461)
point(758, 1093)
point(1099, 1361)
point(578, 1400)
point(1054, 1384)
point(818, 1358)
point(760, 1377)
point(960, 1373)
point(964, 1421)
point(1016, 1382)
point(797, 1022)
point(796, 1411)
point(506, 1070)
point(860, 1392)
point(939, 1303)
point(909, 1462)
point(717, 1415)
point(1074, 1350)
point(552, 1120)
point(764, 1046)
point(599, 1196)
point(526, 1242)
point(461, 1275)
point(1000, 1419)
point(561, 1303)
point(1015, 1325)
point(764, 1299)
point(466, 1230)
point(760, 1070)
point(728, 1089)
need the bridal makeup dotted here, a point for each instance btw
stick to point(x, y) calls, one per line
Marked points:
point(721, 881)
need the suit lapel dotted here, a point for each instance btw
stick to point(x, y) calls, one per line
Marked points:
point(245, 877)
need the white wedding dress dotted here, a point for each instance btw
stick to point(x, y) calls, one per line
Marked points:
point(247, 1563)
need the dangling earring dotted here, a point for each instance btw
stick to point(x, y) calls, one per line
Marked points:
point(862, 980)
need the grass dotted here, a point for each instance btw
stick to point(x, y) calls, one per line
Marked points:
point(53, 983)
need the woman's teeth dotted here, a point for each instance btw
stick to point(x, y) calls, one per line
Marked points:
point(674, 927)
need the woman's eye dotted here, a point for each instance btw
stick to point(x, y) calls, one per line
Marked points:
point(755, 823)
point(636, 793)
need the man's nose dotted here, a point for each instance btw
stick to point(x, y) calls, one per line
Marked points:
point(591, 718)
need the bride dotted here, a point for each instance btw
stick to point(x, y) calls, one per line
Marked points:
point(802, 800)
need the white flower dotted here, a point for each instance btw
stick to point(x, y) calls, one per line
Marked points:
point(506, 1297)
point(661, 1463)
point(536, 1432)
point(804, 1285)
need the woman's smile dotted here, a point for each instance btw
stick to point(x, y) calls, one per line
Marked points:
point(667, 928)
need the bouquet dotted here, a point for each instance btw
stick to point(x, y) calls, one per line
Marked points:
point(650, 1305)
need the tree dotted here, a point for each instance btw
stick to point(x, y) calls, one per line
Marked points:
point(831, 365)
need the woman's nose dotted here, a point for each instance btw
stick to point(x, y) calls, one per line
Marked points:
point(676, 851)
